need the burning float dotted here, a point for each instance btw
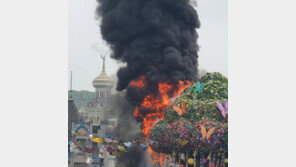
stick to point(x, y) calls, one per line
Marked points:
point(195, 128)
point(157, 40)
point(187, 124)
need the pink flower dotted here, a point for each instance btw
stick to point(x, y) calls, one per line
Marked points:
point(211, 164)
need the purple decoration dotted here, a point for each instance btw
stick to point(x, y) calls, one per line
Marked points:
point(204, 160)
point(223, 110)
point(226, 106)
point(90, 150)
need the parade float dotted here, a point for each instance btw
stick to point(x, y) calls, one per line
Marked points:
point(194, 131)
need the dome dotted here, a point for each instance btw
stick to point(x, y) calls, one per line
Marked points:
point(102, 80)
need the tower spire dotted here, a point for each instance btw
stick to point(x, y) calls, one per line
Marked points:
point(70, 92)
point(103, 79)
point(104, 58)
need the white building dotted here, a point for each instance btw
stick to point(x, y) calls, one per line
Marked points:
point(103, 119)
point(99, 114)
point(97, 119)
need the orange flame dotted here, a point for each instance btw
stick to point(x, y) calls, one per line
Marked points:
point(157, 157)
point(140, 83)
point(158, 105)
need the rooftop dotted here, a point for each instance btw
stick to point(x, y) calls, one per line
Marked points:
point(103, 79)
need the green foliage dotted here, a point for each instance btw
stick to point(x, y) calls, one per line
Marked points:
point(214, 76)
point(159, 127)
point(156, 164)
point(216, 88)
point(201, 106)
point(201, 110)
point(87, 97)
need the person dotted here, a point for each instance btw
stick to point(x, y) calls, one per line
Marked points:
point(101, 162)
point(101, 155)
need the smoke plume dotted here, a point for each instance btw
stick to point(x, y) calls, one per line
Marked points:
point(157, 41)
point(136, 157)
point(127, 129)
point(201, 73)
point(193, 3)
point(155, 38)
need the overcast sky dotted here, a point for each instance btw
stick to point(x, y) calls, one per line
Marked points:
point(86, 44)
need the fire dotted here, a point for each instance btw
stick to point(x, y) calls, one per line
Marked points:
point(157, 106)
point(136, 113)
point(157, 157)
point(140, 83)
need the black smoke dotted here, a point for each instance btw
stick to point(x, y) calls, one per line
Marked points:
point(127, 128)
point(135, 157)
point(155, 38)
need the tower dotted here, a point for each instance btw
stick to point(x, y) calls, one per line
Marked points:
point(73, 115)
point(82, 110)
point(103, 85)
point(98, 108)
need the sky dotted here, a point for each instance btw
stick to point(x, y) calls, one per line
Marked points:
point(86, 45)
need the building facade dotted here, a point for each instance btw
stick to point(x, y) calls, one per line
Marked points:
point(99, 113)
point(95, 118)
point(73, 114)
